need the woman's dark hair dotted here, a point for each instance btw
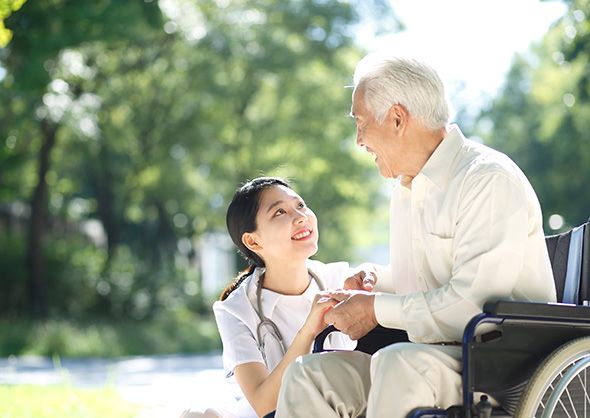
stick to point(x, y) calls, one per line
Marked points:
point(241, 218)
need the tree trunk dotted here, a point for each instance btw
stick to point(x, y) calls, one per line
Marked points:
point(37, 274)
point(104, 188)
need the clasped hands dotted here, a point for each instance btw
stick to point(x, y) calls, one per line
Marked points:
point(353, 312)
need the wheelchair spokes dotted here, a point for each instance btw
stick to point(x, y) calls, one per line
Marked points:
point(559, 389)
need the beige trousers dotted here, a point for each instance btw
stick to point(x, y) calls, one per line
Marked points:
point(391, 383)
point(209, 413)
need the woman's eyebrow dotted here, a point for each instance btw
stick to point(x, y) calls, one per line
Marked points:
point(278, 202)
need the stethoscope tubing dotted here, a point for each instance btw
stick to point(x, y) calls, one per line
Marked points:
point(264, 321)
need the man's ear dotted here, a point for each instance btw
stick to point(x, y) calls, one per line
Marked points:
point(399, 115)
point(250, 242)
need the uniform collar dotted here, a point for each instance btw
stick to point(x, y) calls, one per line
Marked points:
point(437, 168)
point(271, 299)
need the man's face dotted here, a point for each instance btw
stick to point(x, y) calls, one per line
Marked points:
point(379, 140)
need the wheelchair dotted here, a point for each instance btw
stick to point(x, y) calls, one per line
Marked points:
point(537, 361)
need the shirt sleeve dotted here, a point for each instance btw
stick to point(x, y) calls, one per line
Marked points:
point(239, 344)
point(488, 249)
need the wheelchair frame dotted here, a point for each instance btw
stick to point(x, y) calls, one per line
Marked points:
point(530, 333)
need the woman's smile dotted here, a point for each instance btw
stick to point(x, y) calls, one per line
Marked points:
point(302, 234)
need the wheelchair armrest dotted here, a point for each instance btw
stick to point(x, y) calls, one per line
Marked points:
point(375, 340)
point(318, 344)
point(538, 310)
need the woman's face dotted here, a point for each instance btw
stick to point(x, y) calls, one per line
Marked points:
point(286, 228)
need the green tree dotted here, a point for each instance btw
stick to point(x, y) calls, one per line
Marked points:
point(6, 9)
point(41, 30)
point(155, 127)
point(541, 118)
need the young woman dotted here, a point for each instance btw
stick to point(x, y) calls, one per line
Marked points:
point(273, 311)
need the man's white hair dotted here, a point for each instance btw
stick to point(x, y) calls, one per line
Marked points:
point(390, 80)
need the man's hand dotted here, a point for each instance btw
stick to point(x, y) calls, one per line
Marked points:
point(364, 279)
point(354, 314)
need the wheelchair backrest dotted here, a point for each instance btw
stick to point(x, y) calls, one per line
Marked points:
point(569, 253)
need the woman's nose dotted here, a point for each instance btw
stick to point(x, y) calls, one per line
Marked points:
point(300, 216)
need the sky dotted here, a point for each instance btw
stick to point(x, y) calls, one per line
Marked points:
point(469, 42)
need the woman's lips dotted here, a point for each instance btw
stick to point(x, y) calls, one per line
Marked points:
point(305, 233)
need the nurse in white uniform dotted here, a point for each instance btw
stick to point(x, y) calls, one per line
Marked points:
point(274, 310)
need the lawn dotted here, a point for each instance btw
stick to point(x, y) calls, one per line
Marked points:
point(24, 401)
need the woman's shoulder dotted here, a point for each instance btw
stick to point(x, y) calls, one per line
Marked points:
point(238, 299)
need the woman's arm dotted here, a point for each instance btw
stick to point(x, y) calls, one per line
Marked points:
point(260, 387)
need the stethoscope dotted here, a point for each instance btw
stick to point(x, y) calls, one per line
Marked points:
point(264, 321)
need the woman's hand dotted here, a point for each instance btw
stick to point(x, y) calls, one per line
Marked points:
point(364, 279)
point(314, 324)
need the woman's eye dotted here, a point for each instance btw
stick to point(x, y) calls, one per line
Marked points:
point(279, 212)
point(301, 205)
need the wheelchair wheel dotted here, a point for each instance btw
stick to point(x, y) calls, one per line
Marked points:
point(560, 386)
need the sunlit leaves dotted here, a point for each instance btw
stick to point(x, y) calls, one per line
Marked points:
point(161, 116)
point(541, 117)
point(6, 8)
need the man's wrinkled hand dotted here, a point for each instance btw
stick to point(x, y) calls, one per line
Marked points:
point(354, 314)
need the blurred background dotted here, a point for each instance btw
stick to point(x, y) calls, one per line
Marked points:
point(126, 126)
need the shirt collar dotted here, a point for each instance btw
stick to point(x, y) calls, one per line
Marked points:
point(271, 299)
point(437, 168)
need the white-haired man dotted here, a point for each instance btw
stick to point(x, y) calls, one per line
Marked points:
point(465, 227)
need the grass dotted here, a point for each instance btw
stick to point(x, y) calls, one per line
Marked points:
point(26, 401)
point(182, 332)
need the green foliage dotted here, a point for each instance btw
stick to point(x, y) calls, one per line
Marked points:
point(63, 402)
point(6, 8)
point(83, 282)
point(541, 118)
point(13, 268)
point(179, 332)
point(158, 118)
point(43, 28)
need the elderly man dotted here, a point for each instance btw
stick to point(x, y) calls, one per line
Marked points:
point(465, 227)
